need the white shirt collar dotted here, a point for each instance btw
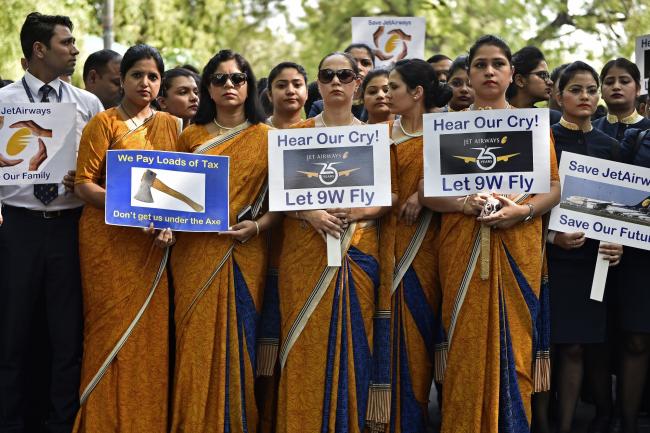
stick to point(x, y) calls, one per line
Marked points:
point(34, 85)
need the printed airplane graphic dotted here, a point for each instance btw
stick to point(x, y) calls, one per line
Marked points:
point(325, 165)
point(503, 158)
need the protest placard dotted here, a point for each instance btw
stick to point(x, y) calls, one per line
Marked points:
point(333, 167)
point(642, 57)
point(37, 142)
point(606, 200)
point(181, 191)
point(391, 38)
point(503, 151)
point(321, 168)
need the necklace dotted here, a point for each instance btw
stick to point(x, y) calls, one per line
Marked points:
point(322, 119)
point(135, 125)
point(415, 134)
point(472, 107)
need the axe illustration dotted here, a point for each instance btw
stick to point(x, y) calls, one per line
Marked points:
point(149, 181)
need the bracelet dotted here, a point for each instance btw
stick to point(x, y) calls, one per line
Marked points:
point(531, 210)
point(464, 203)
point(257, 227)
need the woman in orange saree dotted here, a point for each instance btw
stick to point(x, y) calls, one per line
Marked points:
point(413, 90)
point(125, 296)
point(327, 340)
point(219, 277)
point(497, 340)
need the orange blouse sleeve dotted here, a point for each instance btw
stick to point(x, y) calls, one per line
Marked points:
point(93, 145)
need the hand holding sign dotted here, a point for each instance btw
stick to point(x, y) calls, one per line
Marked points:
point(509, 215)
point(569, 241)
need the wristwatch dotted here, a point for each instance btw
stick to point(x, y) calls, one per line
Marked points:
point(531, 211)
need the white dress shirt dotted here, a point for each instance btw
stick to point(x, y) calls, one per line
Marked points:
point(87, 106)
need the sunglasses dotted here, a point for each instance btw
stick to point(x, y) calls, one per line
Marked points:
point(345, 76)
point(544, 75)
point(237, 79)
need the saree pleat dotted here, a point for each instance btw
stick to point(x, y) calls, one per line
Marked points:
point(415, 305)
point(219, 286)
point(498, 330)
point(325, 380)
point(119, 266)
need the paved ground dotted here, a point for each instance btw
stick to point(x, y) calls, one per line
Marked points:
point(584, 413)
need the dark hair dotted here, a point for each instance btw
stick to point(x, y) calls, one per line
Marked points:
point(371, 75)
point(265, 102)
point(4, 83)
point(459, 63)
point(524, 62)
point(489, 40)
point(98, 61)
point(571, 71)
point(281, 67)
point(417, 72)
point(139, 52)
point(40, 28)
point(262, 83)
point(625, 64)
point(190, 68)
point(169, 76)
point(362, 47)
point(313, 95)
point(437, 57)
point(208, 110)
point(350, 59)
point(557, 72)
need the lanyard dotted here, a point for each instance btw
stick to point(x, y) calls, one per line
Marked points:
point(31, 98)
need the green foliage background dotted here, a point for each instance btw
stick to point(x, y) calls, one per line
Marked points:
point(191, 31)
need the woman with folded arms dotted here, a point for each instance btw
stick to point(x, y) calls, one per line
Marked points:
point(327, 314)
point(219, 277)
point(496, 356)
point(126, 306)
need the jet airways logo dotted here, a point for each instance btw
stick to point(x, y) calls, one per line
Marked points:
point(486, 152)
point(329, 174)
point(318, 168)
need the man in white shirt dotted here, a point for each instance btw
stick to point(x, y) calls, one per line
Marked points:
point(39, 256)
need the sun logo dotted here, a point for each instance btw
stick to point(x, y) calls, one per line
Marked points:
point(18, 142)
point(504, 139)
point(391, 45)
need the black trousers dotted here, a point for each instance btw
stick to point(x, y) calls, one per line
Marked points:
point(39, 263)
